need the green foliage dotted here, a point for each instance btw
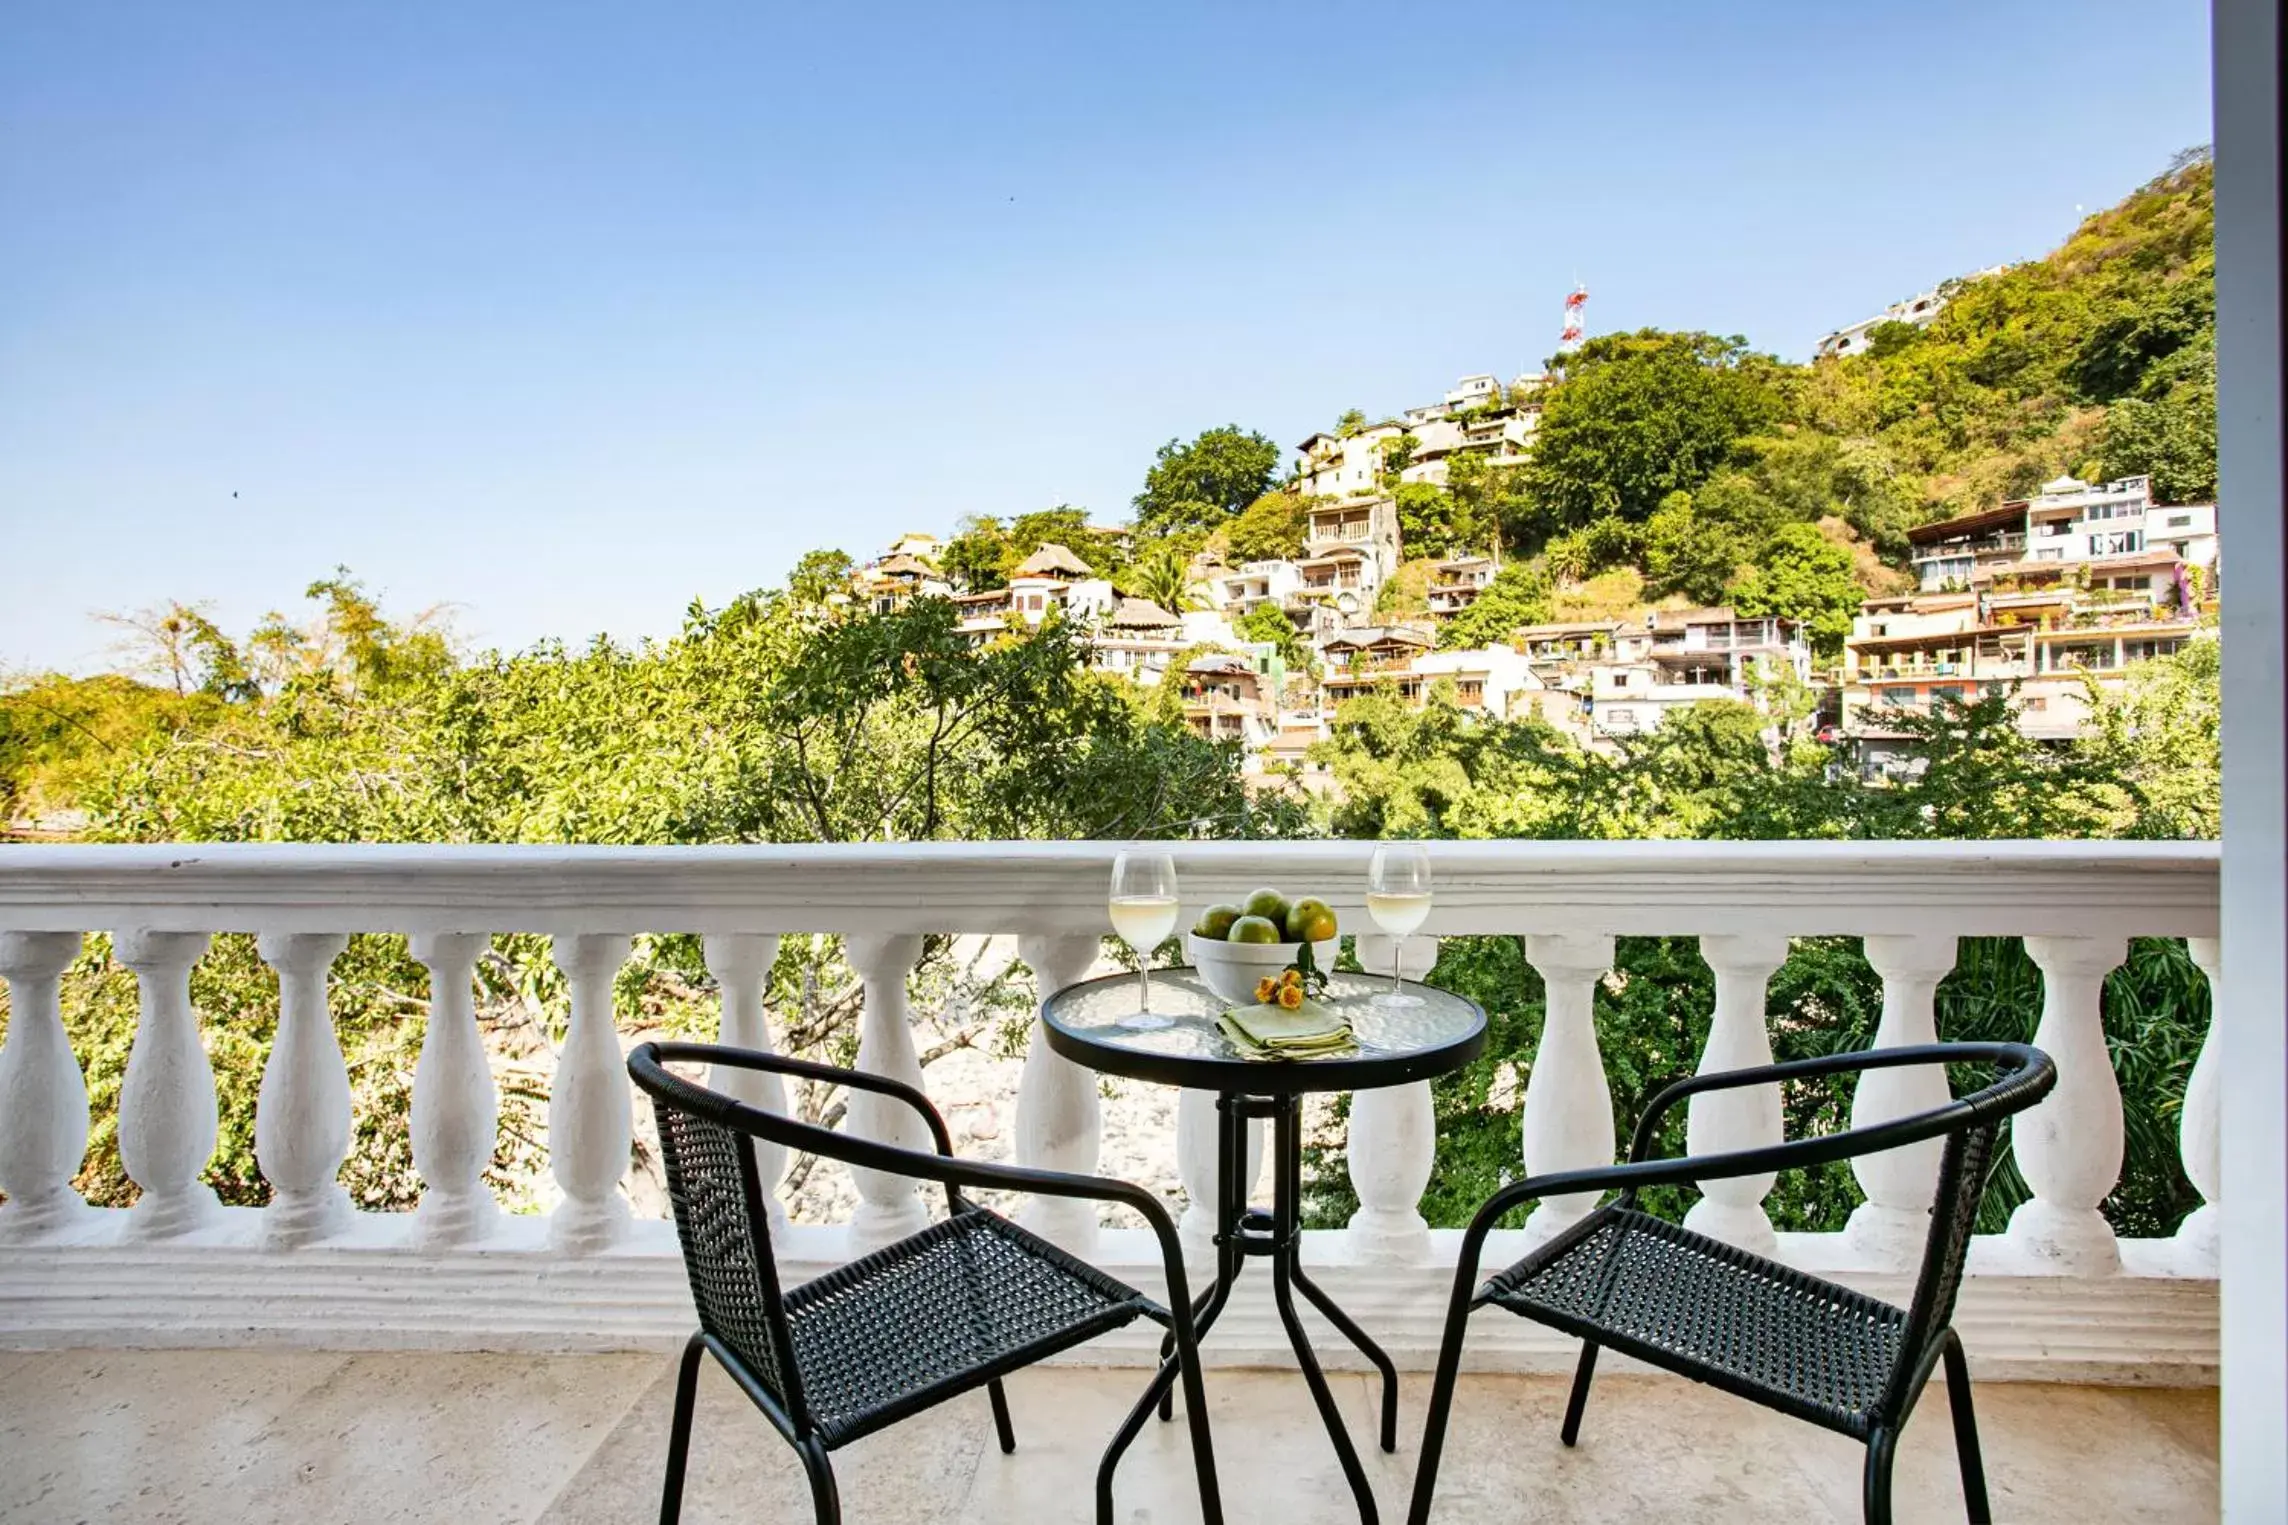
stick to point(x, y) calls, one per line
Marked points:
point(977, 558)
point(1639, 416)
point(1352, 421)
point(818, 574)
point(1162, 576)
point(1807, 577)
point(1433, 521)
point(59, 734)
point(1517, 596)
point(1201, 484)
point(1268, 622)
point(1269, 529)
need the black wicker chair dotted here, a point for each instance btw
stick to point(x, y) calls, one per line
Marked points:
point(952, 1308)
point(1716, 1314)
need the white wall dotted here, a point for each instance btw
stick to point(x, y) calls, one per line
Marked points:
point(2255, 887)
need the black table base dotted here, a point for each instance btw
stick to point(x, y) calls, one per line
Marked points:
point(1241, 1232)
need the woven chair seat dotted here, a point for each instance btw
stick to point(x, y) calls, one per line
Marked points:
point(1706, 1310)
point(964, 1300)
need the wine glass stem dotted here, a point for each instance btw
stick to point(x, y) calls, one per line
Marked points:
point(1397, 975)
point(1144, 980)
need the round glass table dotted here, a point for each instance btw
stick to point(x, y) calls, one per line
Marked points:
point(1434, 1034)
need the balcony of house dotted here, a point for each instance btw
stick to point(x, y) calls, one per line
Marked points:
point(301, 1360)
point(1453, 598)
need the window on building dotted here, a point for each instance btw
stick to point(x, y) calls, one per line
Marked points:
point(2180, 521)
point(1898, 698)
point(2036, 704)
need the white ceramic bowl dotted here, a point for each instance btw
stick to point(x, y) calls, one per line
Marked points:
point(1232, 969)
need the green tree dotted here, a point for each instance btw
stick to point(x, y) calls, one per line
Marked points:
point(1201, 484)
point(1805, 577)
point(2155, 748)
point(1639, 416)
point(819, 574)
point(1352, 421)
point(1269, 529)
point(1161, 576)
point(1518, 596)
point(1268, 622)
point(1435, 522)
point(977, 558)
point(1063, 525)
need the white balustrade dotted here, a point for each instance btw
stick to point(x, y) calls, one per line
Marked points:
point(167, 1115)
point(741, 963)
point(2068, 1146)
point(2198, 1127)
point(1890, 1228)
point(1567, 1121)
point(591, 1113)
point(2076, 904)
point(456, 1107)
point(43, 1095)
point(1059, 1122)
point(1393, 1134)
point(302, 1114)
point(1743, 1117)
point(889, 1208)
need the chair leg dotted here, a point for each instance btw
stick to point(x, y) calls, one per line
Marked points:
point(825, 1502)
point(1001, 1425)
point(679, 1433)
point(1579, 1398)
point(1876, 1482)
point(1966, 1432)
point(1441, 1405)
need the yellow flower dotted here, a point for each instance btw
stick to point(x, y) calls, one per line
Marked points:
point(1293, 977)
point(1291, 996)
point(1266, 990)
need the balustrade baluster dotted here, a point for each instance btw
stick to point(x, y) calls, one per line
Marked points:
point(167, 1114)
point(302, 1114)
point(2197, 1136)
point(888, 1206)
point(1748, 1117)
point(1393, 1134)
point(1568, 1111)
point(591, 1111)
point(741, 963)
point(1059, 1123)
point(1891, 1226)
point(43, 1095)
point(2068, 1147)
point(456, 1108)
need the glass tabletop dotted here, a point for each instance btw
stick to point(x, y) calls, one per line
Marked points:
point(1438, 1032)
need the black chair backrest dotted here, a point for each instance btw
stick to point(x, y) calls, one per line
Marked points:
point(1954, 1212)
point(724, 1229)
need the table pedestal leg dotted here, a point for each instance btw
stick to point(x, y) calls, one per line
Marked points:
point(1277, 1236)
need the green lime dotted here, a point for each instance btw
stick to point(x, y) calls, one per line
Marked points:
point(1215, 922)
point(1254, 929)
point(1310, 921)
point(1270, 905)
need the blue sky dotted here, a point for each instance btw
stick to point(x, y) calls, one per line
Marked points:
point(568, 314)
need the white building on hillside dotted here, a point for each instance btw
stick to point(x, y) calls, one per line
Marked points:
point(1918, 309)
point(1690, 656)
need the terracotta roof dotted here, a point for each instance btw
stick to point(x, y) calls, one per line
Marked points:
point(1052, 560)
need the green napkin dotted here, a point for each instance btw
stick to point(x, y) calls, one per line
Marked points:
point(1273, 1032)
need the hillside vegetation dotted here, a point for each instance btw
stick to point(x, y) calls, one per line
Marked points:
point(1718, 473)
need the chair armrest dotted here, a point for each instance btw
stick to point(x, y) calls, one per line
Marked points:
point(1648, 1126)
point(831, 1074)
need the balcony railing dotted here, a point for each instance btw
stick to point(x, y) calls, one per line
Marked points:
point(2057, 1296)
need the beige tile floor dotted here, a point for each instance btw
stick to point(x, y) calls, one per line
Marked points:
point(256, 1438)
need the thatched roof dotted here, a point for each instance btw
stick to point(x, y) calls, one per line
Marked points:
point(1140, 614)
point(1052, 560)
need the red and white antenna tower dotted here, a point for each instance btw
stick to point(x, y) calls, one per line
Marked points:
point(1569, 337)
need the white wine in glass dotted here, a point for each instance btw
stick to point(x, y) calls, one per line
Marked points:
point(1144, 909)
point(1398, 898)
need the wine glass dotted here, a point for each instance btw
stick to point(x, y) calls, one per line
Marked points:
point(1398, 898)
point(1144, 914)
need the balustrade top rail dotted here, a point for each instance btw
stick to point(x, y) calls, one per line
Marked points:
point(2089, 889)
